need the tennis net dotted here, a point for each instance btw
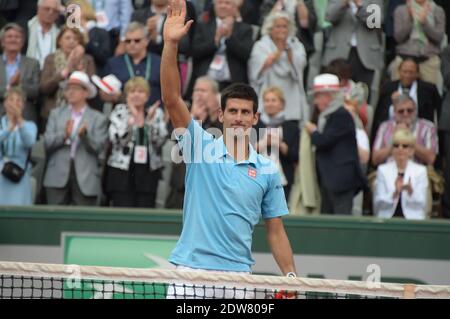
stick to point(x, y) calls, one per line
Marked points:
point(48, 281)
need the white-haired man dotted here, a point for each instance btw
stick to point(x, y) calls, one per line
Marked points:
point(42, 30)
point(339, 172)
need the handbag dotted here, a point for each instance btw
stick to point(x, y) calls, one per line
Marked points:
point(11, 170)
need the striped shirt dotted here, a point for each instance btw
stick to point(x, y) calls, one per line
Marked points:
point(424, 131)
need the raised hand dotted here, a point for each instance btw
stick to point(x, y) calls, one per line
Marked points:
point(175, 27)
point(152, 110)
point(69, 129)
point(15, 79)
point(82, 130)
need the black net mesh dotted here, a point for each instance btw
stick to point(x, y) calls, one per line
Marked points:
point(23, 287)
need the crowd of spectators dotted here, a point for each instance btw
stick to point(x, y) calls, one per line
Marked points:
point(356, 117)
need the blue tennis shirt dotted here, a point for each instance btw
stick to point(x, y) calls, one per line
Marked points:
point(223, 202)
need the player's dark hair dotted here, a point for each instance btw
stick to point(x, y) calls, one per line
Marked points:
point(239, 91)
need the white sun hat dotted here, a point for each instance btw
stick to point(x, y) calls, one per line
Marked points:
point(109, 84)
point(81, 78)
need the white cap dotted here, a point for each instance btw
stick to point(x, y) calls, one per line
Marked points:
point(109, 84)
point(81, 78)
point(326, 83)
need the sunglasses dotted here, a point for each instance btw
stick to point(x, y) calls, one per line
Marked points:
point(128, 41)
point(405, 111)
point(398, 145)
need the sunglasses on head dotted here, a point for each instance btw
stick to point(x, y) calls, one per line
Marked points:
point(404, 111)
point(128, 41)
point(398, 145)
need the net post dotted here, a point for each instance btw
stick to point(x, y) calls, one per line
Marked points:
point(409, 291)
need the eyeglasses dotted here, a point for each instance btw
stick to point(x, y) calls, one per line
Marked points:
point(128, 41)
point(405, 111)
point(398, 145)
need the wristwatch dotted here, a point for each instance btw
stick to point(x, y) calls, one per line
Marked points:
point(291, 275)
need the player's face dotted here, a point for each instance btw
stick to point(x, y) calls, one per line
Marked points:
point(238, 116)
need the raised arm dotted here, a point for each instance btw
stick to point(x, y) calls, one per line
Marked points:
point(175, 28)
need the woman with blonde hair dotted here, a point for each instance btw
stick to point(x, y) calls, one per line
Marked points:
point(279, 59)
point(401, 186)
point(136, 135)
point(279, 138)
point(17, 136)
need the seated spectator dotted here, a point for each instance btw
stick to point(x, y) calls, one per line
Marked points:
point(444, 127)
point(114, 17)
point(17, 136)
point(43, 31)
point(343, 70)
point(69, 57)
point(334, 137)
point(281, 138)
point(97, 40)
point(351, 39)
point(154, 17)
point(74, 138)
point(137, 61)
point(222, 46)
point(304, 15)
point(424, 94)
point(137, 135)
point(278, 59)
point(206, 93)
point(401, 185)
point(405, 116)
point(419, 27)
point(16, 69)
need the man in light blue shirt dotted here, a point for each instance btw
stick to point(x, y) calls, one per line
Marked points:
point(229, 187)
point(113, 14)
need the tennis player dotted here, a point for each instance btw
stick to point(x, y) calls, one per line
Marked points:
point(229, 186)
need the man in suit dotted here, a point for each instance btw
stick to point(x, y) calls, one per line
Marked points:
point(222, 46)
point(444, 128)
point(75, 137)
point(16, 69)
point(337, 162)
point(425, 95)
point(350, 37)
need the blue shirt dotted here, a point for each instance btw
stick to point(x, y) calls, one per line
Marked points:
point(12, 68)
point(224, 200)
point(118, 67)
point(118, 13)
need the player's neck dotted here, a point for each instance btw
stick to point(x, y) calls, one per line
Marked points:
point(238, 148)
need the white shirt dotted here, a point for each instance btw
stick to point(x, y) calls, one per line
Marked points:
point(414, 205)
point(45, 44)
point(362, 140)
